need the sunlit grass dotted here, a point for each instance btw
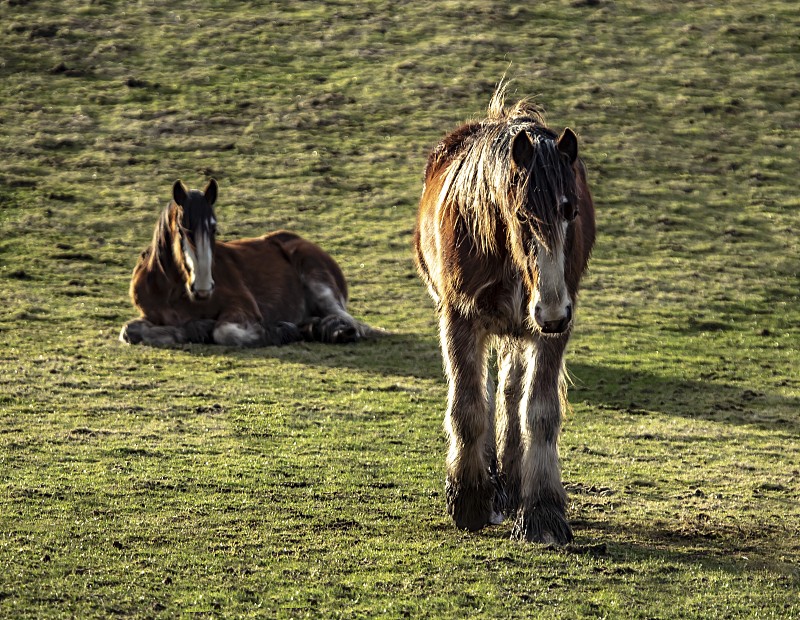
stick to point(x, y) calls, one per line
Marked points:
point(307, 481)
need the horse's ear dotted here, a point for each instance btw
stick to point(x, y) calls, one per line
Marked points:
point(179, 192)
point(210, 192)
point(568, 144)
point(522, 150)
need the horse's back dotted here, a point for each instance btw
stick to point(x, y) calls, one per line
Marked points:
point(281, 266)
point(311, 261)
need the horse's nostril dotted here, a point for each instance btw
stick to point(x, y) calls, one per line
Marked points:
point(202, 293)
point(555, 326)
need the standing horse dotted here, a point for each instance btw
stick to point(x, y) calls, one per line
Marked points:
point(504, 232)
point(272, 290)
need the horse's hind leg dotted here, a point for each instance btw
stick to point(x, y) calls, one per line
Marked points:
point(510, 376)
point(142, 331)
point(542, 513)
point(469, 489)
point(331, 329)
point(333, 323)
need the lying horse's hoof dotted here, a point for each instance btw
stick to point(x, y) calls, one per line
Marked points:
point(130, 334)
point(331, 329)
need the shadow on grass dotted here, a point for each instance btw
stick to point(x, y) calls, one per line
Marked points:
point(641, 393)
point(634, 392)
point(736, 550)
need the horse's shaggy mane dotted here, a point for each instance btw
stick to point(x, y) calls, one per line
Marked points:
point(160, 249)
point(484, 184)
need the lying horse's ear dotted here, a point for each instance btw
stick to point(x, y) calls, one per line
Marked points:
point(568, 144)
point(179, 192)
point(522, 150)
point(210, 192)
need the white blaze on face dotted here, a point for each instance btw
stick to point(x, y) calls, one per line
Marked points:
point(551, 301)
point(198, 261)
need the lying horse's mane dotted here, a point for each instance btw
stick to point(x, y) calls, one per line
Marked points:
point(160, 248)
point(484, 182)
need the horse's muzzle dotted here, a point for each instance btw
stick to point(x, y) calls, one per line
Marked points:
point(203, 294)
point(554, 326)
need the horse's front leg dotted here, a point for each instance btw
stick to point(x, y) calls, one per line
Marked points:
point(469, 490)
point(235, 333)
point(142, 331)
point(543, 501)
point(510, 381)
point(252, 334)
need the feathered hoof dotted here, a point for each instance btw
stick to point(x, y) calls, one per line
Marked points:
point(542, 524)
point(286, 333)
point(502, 502)
point(330, 329)
point(472, 507)
point(131, 332)
point(200, 331)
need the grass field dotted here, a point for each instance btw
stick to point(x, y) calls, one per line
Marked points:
point(307, 481)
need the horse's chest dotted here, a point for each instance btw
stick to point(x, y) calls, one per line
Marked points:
point(502, 307)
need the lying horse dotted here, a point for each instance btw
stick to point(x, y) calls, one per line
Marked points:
point(272, 290)
point(504, 232)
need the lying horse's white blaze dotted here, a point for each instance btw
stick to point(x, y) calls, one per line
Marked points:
point(199, 261)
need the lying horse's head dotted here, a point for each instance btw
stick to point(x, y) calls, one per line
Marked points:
point(547, 203)
point(193, 226)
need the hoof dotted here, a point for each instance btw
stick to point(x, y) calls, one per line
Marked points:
point(336, 330)
point(130, 334)
point(471, 507)
point(540, 524)
point(502, 504)
point(331, 329)
point(286, 333)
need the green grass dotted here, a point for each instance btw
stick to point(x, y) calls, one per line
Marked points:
point(307, 481)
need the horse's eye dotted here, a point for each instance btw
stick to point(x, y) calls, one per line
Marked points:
point(569, 211)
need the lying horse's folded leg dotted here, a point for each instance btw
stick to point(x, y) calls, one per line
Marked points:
point(239, 335)
point(542, 513)
point(142, 331)
point(200, 331)
point(332, 329)
point(281, 333)
point(469, 489)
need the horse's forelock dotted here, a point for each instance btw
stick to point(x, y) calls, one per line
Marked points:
point(485, 183)
point(197, 214)
point(548, 179)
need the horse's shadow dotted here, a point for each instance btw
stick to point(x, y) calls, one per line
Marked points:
point(716, 547)
point(417, 356)
point(642, 393)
